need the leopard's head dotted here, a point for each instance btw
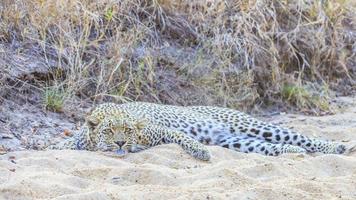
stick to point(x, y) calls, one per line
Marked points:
point(114, 134)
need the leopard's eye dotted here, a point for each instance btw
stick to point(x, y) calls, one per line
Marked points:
point(112, 131)
point(109, 131)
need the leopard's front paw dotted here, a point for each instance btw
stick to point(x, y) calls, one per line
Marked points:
point(65, 144)
point(52, 147)
point(201, 153)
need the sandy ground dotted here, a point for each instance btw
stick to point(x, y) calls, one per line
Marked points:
point(166, 172)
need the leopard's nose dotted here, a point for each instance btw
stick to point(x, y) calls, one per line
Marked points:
point(120, 143)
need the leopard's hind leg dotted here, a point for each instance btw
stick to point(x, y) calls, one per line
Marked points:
point(241, 124)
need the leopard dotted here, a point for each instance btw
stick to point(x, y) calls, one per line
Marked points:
point(135, 126)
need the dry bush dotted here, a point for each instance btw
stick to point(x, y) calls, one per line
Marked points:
point(232, 53)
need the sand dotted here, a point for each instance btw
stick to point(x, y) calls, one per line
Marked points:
point(166, 172)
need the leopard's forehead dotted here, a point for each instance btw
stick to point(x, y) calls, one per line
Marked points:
point(118, 127)
point(119, 122)
point(102, 114)
point(108, 110)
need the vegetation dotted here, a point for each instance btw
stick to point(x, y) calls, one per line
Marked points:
point(234, 53)
point(53, 99)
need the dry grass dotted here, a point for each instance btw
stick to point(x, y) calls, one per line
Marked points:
point(230, 53)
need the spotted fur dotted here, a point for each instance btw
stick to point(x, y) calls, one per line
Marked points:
point(142, 125)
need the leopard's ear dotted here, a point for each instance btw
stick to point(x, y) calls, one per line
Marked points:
point(92, 121)
point(140, 124)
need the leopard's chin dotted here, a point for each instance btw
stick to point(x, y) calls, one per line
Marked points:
point(120, 152)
